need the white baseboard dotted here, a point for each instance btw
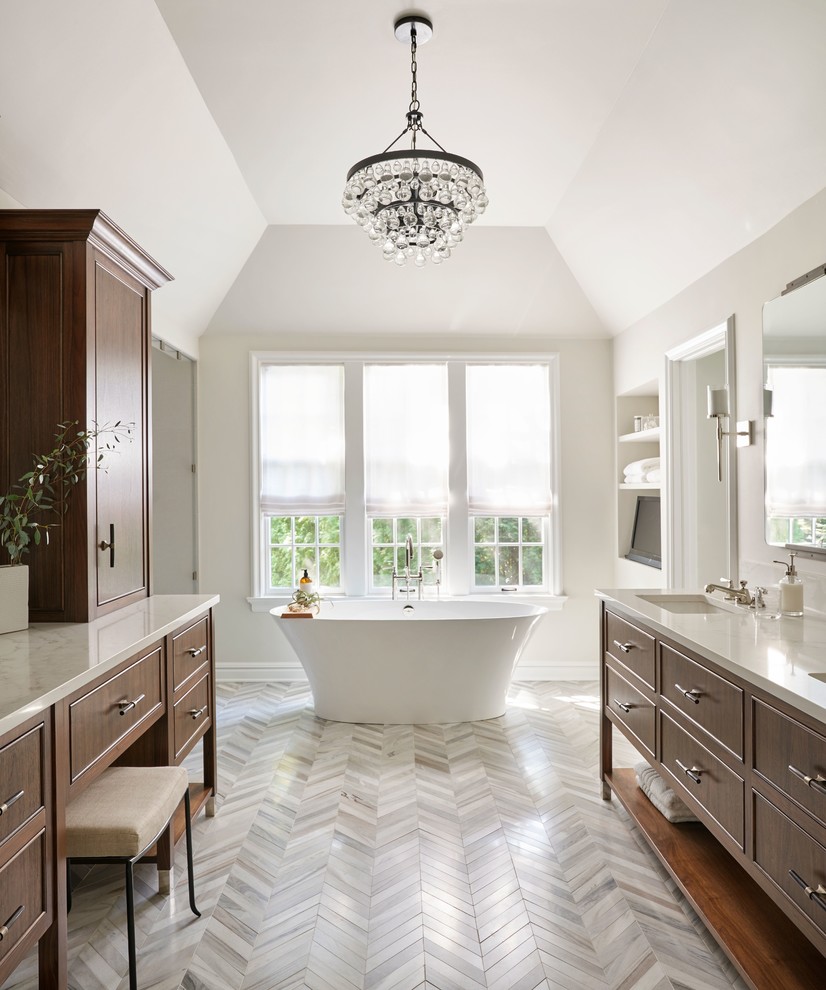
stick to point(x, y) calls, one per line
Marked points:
point(295, 672)
point(558, 672)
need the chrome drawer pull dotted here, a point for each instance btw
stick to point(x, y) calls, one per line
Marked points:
point(816, 894)
point(693, 772)
point(7, 804)
point(197, 712)
point(817, 783)
point(692, 695)
point(196, 653)
point(127, 706)
point(625, 647)
point(4, 929)
point(625, 708)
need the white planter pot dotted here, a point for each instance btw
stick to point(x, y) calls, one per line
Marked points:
point(14, 597)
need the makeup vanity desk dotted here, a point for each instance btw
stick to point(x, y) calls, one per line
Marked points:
point(729, 707)
point(135, 687)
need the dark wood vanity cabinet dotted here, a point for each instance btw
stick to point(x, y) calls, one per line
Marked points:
point(74, 346)
point(752, 769)
point(26, 901)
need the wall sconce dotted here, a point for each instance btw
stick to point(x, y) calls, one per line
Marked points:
point(718, 409)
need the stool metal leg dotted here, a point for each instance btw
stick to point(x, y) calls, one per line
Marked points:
point(130, 926)
point(188, 817)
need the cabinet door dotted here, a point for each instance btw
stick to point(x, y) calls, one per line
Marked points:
point(120, 396)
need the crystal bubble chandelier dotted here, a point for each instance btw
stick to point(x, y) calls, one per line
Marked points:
point(415, 204)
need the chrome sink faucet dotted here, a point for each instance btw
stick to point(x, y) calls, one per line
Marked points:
point(740, 595)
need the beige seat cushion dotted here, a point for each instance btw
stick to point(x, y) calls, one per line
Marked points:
point(123, 810)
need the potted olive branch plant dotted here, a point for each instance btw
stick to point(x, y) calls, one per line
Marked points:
point(38, 496)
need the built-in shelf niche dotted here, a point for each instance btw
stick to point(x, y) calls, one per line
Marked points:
point(634, 445)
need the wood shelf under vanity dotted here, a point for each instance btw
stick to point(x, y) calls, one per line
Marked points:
point(768, 950)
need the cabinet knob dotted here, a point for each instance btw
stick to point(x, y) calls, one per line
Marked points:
point(817, 783)
point(4, 929)
point(196, 652)
point(127, 706)
point(110, 545)
point(625, 647)
point(197, 712)
point(692, 695)
point(692, 772)
point(816, 894)
point(620, 704)
point(4, 807)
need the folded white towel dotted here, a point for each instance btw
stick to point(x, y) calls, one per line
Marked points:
point(661, 796)
point(640, 467)
point(634, 479)
point(653, 476)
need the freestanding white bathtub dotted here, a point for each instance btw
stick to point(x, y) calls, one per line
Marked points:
point(410, 662)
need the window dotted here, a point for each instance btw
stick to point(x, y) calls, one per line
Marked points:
point(388, 543)
point(795, 461)
point(406, 459)
point(453, 454)
point(301, 430)
point(299, 543)
point(509, 473)
point(509, 551)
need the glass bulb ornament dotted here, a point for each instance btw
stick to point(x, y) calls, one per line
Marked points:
point(415, 204)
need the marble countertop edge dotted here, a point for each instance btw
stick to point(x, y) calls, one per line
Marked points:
point(777, 656)
point(49, 661)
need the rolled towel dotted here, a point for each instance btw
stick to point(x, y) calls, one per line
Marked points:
point(661, 796)
point(640, 467)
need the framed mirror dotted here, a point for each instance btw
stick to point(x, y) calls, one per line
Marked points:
point(794, 406)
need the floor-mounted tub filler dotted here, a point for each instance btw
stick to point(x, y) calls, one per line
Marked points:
point(418, 662)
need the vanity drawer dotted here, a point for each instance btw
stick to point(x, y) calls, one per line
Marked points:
point(631, 646)
point(719, 790)
point(781, 743)
point(190, 651)
point(708, 700)
point(781, 846)
point(192, 714)
point(108, 714)
point(632, 709)
point(22, 886)
point(21, 782)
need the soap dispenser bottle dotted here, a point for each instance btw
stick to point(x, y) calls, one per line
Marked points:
point(305, 583)
point(791, 589)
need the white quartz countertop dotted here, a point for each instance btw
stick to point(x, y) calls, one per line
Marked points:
point(778, 655)
point(49, 660)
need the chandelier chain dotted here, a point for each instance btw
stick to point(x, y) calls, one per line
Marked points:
point(414, 88)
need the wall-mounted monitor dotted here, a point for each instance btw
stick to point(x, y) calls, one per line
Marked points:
point(646, 538)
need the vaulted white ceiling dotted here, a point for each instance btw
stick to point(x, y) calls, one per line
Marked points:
point(628, 148)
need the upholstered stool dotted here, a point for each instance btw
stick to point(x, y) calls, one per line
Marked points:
point(118, 818)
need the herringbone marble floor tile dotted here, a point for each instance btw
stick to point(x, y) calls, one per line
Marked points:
point(435, 857)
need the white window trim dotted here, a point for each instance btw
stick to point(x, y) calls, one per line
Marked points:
point(355, 529)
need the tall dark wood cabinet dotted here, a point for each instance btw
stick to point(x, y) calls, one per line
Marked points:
point(74, 346)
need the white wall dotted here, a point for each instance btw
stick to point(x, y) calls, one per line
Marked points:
point(740, 285)
point(566, 642)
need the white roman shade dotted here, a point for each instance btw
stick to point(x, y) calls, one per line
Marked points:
point(406, 439)
point(508, 439)
point(795, 446)
point(302, 439)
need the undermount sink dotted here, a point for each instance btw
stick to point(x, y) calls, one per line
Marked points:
point(819, 676)
point(696, 604)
